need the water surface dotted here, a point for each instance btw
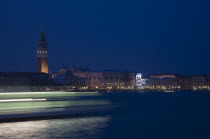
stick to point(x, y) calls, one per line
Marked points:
point(154, 115)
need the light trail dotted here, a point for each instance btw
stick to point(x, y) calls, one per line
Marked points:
point(17, 93)
point(21, 100)
point(58, 92)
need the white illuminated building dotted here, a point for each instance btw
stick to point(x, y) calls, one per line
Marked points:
point(140, 83)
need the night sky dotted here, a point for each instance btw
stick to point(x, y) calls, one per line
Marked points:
point(149, 36)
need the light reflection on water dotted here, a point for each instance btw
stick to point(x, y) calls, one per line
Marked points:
point(74, 128)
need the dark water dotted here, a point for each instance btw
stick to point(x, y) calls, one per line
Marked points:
point(183, 115)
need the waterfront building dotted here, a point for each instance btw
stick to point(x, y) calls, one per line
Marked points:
point(106, 80)
point(163, 82)
point(118, 80)
point(193, 82)
point(26, 81)
point(72, 82)
point(140, 82)
point(177, 82)
point(94, 79)
point(109, 80)
point(42, 54)
point(200, 82)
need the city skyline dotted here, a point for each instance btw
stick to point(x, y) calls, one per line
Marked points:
point(104, 69)
point(137, 36)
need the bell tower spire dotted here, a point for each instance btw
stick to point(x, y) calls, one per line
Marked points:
point(42, 53)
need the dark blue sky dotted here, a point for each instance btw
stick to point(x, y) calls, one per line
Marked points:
point(138, 35)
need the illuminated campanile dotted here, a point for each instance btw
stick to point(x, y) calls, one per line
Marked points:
point(42, 54)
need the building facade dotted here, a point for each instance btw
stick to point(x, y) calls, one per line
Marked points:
point(200, 82)
point(106, 80)
point(72, 82)
point(163, 82)
point(140, 82)
point(26, 81)
point(178, 82)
